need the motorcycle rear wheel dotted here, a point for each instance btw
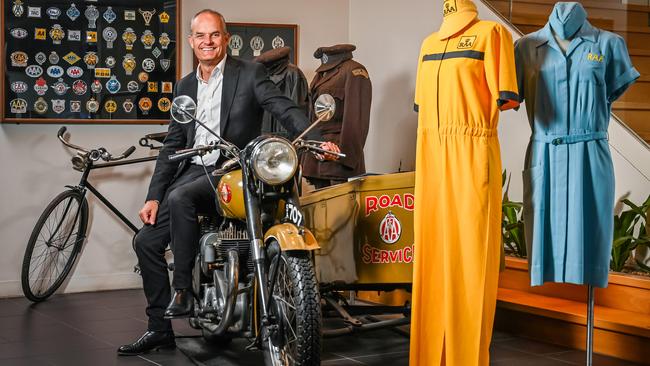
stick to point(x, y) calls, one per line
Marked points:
point(297, 339)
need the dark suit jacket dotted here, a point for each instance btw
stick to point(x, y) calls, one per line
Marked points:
point(247, 92)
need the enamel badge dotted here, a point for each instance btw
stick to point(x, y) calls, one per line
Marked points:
point(40, 58)
point(147, 39)
point(75, 106)
point(79, 87)
point(110, 35)
point(91, 14)
point(18, 33)
point(147, 15)
point(127, 105)
point(34, 71)
point(109, 15)
point(235, 44)
point(53, 58)
point(129, 38)
point(148, 65)
point(19, 59)
point(92, 105)
point(91, 59)
point(164, 104)
point(60, 87)
point(53, 12)
point(164, 40)
point(40, 106)
point(96, 86)
point(257, 44)
point(132, 86)
point(71, 58)
point(74, 72)
point(18, 105)
point(18, 87)
point(41, 86)
point(72, 12)
point(58, 105)
point(145, 105)
point(17, 8)
point(129, 64)
point(110, 106)
point(113, 85)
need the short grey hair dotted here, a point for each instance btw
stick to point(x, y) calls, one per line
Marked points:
point(213, 12)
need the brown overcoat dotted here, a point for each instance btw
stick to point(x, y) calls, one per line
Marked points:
point(348, 82)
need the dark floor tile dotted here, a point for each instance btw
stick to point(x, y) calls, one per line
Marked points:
point(530, 361)
point(28, 319)
point(37, 332)
point(380, 341)
point(392, 358)
point(97, 327)
point(29, 361)
point(499, 352)
point(580, 357)
point(498, 336)
point(104, 357)
point(533, 347)
point(58, 345)
point(117, 339)
point(343, 362)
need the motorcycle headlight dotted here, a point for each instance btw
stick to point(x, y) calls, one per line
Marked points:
point(274, 161)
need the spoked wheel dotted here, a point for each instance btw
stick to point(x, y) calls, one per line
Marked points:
point(54, 245)
point(295, 338)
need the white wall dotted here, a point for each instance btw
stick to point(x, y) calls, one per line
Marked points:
point(35, 166)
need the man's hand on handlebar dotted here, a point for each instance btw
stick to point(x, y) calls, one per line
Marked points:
point(149, 212)
point(329, 146)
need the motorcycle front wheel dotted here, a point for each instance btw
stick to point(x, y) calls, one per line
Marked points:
point(295, 337)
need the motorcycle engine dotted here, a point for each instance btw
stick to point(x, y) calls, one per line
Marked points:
point(216, 242)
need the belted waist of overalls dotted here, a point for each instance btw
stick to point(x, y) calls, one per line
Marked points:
point(570, 138)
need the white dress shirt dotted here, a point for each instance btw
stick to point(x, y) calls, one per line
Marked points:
point(208, 111)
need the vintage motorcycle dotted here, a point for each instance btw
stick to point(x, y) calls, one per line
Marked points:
point(254, 275)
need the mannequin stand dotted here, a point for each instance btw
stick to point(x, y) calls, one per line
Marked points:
point(590, 325)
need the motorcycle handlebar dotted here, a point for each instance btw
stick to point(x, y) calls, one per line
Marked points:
point(183, 155)
point(94, 154)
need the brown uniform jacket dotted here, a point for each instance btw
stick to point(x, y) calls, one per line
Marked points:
point(348, 82)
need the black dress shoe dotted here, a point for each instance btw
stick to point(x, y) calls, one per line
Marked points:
point(149, 341)
point(181, 304)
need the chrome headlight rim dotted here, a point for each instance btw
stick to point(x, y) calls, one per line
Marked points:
point(256, 151)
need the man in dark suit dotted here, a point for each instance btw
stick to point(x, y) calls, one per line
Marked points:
point(231, 96)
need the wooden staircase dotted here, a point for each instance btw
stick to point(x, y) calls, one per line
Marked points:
point(632, 22)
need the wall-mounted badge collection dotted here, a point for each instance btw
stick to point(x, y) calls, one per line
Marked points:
point(75, 60)
point(249, 40)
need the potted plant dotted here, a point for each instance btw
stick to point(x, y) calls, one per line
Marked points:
point(630, 234)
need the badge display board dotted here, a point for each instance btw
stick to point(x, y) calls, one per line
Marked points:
point(110, 61)
point(249, 40)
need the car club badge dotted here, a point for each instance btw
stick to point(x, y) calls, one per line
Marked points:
point(40, 34)
point(127, 105)
point(147, 39)
point(110, 35)
point(257, 44)
point(71, 58)
point(113, 85)
point(165, 63)
point(34, 71)
point(129, 64)
point(53, 58)
point(33, 11)
point(19, 33)
point(74, 72)
point(235, 44)
point(57, 34)
point(91, 14)
point(75, 106)
point(55, 71)
point(79, 87)
point(164, 40)
point(167, 87)
point(148, 65)
point(58, 105)
point(18, 105)
point(143, 77)
point(164, 17)
point(147, 15)
point(40, 106)
point(74, 35)
point(41, 86)
point(60, 87)
point(91, 59)
point(53, 12)
point(92, 105)
point(156, 52)
point(91, 37)
point(72, 12)
point(109, 15)
point(152, 86)
point(277, 42)
point(129, 38)
point(40, 58)
point(19, 59)
point(164, 104)
point(96, 86)
point(102, 72)
point(132, 86)
point(18, 9)
point(110, 106)
point(145, 105)
point(18, 87)
point(129, 14)
point(110, 62)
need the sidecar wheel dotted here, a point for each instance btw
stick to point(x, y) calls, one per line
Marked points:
point(297, 339)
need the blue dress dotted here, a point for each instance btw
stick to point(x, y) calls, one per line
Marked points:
point(569, 176)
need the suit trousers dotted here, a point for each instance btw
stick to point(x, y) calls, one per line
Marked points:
point(176, 224)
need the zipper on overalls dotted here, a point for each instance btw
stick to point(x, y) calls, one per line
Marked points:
point(442, 58)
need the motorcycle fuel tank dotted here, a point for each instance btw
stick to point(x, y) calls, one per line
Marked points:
point(231, 195)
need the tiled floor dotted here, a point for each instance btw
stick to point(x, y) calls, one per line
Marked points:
point(85, 329)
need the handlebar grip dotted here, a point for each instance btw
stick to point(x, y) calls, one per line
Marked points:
point(128, 152)
point(61, 131)
point(183, 155)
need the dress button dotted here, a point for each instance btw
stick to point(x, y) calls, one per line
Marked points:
point(556, 141)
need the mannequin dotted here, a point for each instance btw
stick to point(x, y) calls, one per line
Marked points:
point(466, 76)
point(568, 176)
point(289, 79)
point(348, 82)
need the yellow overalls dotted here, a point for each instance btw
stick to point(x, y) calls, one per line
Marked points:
point(462, 83)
